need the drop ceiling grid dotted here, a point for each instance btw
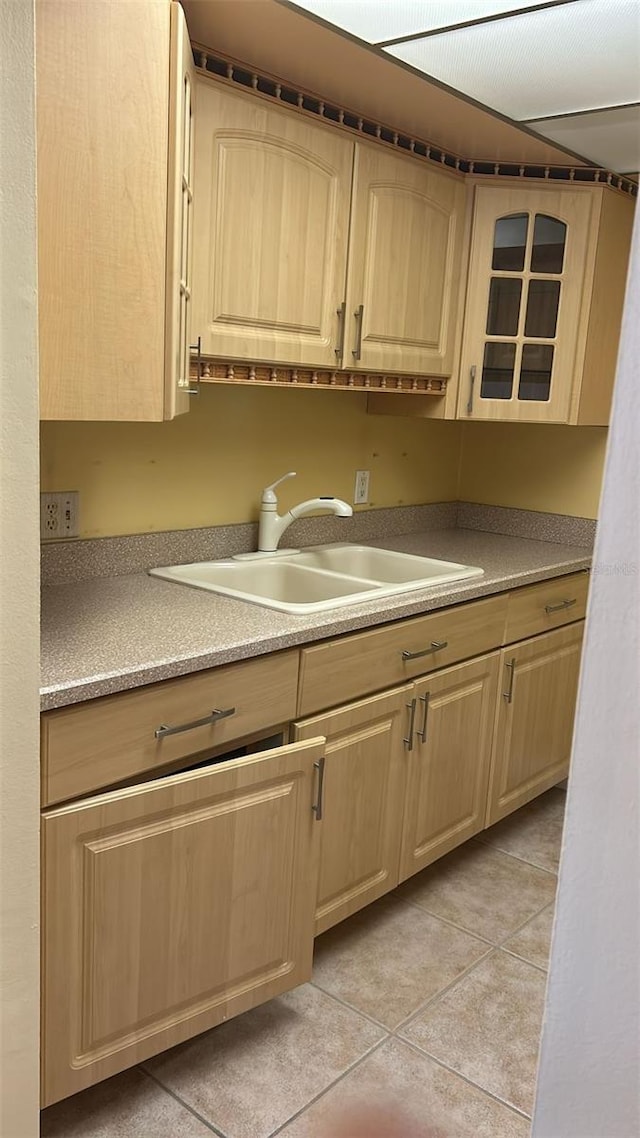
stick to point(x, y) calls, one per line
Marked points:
point(563, 57)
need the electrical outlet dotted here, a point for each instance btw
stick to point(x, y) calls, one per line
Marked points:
point(361, 492)
point(59, 515)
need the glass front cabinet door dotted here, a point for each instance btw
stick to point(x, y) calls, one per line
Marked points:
point(529, 257)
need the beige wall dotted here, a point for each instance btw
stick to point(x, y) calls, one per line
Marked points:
point(19, 584)
point(532, 466)
point(208, 467)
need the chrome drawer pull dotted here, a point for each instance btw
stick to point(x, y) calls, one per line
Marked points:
point(422, 733)
point(357, 351)
point(317, 806)
point(562, 605)
point(511, 665)
point(436, 645)
point(472, 380)
point(408, 739)
point(341, 313)
point(162, 731)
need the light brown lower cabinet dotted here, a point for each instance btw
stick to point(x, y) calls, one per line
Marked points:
point(534, 723)
point(363, 800)
point(448, 765)
point(173, 906)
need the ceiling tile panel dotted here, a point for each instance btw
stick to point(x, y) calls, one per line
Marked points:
point(609, 138)
point(376, 20)
point(573, 57)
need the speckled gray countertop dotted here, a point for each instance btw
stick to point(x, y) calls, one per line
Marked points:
point(113, 633)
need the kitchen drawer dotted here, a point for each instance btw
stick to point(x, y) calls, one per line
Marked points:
point(113, 739)
point(340, 670)
point(538, 608)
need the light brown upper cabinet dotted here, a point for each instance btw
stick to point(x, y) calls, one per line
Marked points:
point(545, 293)
point(272, 222)
point(114, 157)
point(404, 265)
point(315, 250)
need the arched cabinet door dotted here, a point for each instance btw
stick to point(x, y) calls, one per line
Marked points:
point(405, 254)
point(529, 259)
point(272, 199)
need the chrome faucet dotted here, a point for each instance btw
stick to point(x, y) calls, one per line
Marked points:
point(273, 525)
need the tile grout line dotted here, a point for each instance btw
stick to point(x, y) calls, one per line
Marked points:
point(348, 1070)
point(517, 857)
point(433, 999)
point(508, 853)
point(465, 1078)
point(350, 1007)
point(523, 960)
point(493, 948)
point(479, 936)
point(172, 1094)
point(450, 923)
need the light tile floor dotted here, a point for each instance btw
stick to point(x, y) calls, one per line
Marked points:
point(422, 1019)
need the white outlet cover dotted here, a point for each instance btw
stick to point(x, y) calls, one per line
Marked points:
point(59, 514)
point(361, 489)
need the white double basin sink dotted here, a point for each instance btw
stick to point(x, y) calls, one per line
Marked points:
point(319, 578)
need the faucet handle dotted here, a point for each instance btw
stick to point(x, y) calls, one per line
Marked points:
point(268, 494)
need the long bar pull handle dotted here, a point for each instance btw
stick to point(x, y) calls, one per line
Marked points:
point(422, 733)
point(196, 348)
point(162, 731)
point(357, 351)
point(341, 313)
point(436, 645)
point(511, 665)
point(563, 605)
point(317, 805)
point(408, 739)
point(472, 380)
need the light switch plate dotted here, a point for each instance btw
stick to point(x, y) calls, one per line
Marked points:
point(59, 514)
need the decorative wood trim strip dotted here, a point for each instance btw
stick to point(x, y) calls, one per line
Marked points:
point(266, 375)
point(232, 72)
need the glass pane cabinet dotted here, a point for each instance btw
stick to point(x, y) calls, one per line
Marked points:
point(529, 259)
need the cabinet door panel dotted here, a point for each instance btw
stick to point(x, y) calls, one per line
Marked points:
point(171, 907)
point(449, 763)
point(530, 256)
point(404, 264)
point(179, 216)
point(102, 208)
point(363, 797)
point(272, 209)
point(535, 718)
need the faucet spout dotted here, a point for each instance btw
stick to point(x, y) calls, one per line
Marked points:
point(335, 506)
point(273, 525)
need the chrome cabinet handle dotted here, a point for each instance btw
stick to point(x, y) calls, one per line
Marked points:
point(511, 665)
point(162, 731)
point(357, 351)
point(422, 733)
point(341, 313)
point(563, 605)
point(472, 379)
point(436, 645)
point(408, 739)
point(317, 805)
point(196, 348)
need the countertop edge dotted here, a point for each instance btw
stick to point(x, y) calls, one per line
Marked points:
point(67, 694)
